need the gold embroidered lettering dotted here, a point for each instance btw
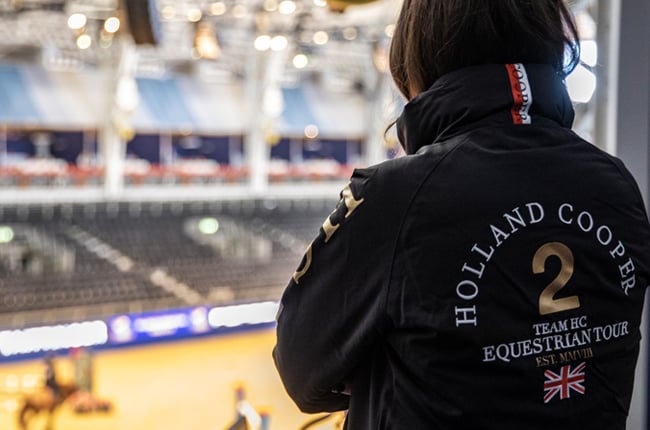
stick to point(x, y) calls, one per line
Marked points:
point(300, 273)
point(329, 228)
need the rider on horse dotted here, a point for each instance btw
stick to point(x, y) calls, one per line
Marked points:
point(50, 376)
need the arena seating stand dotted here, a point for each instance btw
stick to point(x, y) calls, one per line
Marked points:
point(117, 252)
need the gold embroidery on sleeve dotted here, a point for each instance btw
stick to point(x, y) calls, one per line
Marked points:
point(351, 204)
point(329, 229)
point(299, 274)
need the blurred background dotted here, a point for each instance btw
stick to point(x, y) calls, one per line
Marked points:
point(165, 163)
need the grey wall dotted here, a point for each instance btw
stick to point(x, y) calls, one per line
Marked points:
point(633, 147)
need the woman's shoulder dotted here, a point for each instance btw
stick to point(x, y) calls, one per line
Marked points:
point(407, 171)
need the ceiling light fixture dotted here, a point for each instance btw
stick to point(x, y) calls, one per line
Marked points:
point(112, 25)
point(84, 41)
point(218, 8)
point(287, 7)
point(77, 21)
point(278, 43)
point(300, 61)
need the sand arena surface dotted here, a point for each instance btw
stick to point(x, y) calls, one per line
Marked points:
point(181, 385)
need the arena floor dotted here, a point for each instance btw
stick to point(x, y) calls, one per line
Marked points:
point(182, 385)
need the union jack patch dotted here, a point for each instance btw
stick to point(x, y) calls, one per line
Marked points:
point(568, 380)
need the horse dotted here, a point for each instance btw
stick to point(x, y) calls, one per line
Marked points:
point(44, 401)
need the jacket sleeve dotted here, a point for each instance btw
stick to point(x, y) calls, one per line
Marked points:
point(332, 312)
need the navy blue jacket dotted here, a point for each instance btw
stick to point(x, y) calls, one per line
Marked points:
point(493, 278)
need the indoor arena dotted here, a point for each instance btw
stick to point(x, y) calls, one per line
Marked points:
point(178, 182)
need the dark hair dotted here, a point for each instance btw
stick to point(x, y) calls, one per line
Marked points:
point(434, 37)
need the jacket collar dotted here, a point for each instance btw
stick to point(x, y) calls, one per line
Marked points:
point(488, 94)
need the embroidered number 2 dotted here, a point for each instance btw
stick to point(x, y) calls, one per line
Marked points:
point(547, 303)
